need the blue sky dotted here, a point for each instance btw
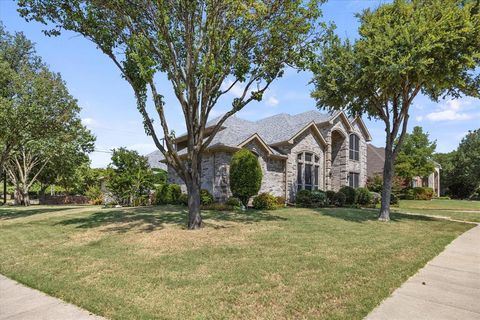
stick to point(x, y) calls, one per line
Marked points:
point(108, 105)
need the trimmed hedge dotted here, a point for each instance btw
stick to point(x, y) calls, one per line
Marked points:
point(339, 199)
point(363, 196)
point(330, 197)
point(265, 201)
point(319, 198)
point(304, 198)
point(422, 193)
point(350, 194)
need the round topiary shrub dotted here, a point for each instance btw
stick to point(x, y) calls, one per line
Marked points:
point(304, 198)
point(245, 175)
point(206, 197)
point(265, 201)
point(330, 197)
point(364, 197)
point(233, 202)
point(339, 199)
point(350, 194)
point(319, 199)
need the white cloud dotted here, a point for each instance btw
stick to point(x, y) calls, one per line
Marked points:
point(272, 101)
point(419, 118)
point(452, 110)
point(236, 90)
point(88, 122)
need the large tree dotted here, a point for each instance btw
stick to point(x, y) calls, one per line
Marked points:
point(415, 156)
point(49, 130)
point(460, 172)
point(404, 48)
point(204, 47)
point(17, 55)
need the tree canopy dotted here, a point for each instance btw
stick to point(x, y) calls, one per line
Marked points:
point(415, 156)
point(245, 175)
point(42, 118)
point(204, 48)
point(404, 48)
point(130, 177)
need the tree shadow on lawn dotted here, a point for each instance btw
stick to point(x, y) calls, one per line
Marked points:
point(363, 215)
point(148, 219)
point(7, 213)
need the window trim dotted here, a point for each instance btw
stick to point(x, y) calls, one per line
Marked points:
point(351, 179)
point(313, 165)
point(354, 151)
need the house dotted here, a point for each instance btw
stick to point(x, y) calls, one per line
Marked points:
point(310, 150)
point(376, 159)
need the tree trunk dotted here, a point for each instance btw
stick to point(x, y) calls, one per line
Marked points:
point(194, 217)
point(387, 184)
point(21, 197)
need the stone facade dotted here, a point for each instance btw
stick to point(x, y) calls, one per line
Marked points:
point(327, 144)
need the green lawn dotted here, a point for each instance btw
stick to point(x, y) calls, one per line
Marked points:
point(454, 209)
point(291, 263)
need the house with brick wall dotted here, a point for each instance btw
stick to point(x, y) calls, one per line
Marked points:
point(310, 150)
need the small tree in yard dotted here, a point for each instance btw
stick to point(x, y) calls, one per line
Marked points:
point(205, 48)
point(415, 156)
point(404, 48)
point(129, 177)
point(245, 175)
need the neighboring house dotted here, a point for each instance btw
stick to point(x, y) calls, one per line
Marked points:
point(310, 151)
point(376, 159)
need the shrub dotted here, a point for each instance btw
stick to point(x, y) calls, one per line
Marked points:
point(233, 202)
point(422, 193)
point(304, 198)
point(339, 199)
point(94, 194)
point(280, 201)
point(330, 197)
point(183, 199)
point(245, 175)
point(363, 196)
point(407, 194)
point(350, 194)
point(206, 197)
point(265, 201)
point(167, 194)
point(319, 198)
point(393, 199)
point(376, 197)
point(375, 183)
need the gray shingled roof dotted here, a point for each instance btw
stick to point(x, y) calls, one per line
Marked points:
point(278, 128)
point(154, 159)
point(275, 129)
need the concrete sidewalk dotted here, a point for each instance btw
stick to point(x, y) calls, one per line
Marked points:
point(20, 302)
point(448, 287)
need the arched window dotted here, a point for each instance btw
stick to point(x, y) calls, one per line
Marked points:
point(354, 147)
point(308, 170)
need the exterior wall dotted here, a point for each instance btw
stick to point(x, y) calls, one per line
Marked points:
point(279, 175)
point(359, 166)
point(305, 142)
